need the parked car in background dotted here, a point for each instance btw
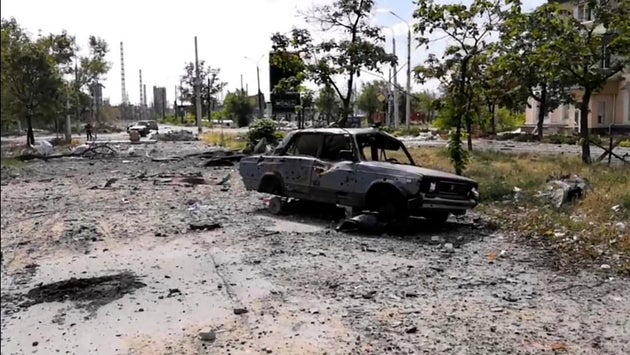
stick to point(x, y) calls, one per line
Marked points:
point(152, 124)
point(363, 168)
point(142, 129)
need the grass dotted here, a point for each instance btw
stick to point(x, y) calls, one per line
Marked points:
point(586, 232)
point(224, 139)
point(7, 162)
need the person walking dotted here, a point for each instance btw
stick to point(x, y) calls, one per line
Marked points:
point(88, 131)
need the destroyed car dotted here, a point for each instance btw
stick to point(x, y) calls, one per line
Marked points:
point(365, 169)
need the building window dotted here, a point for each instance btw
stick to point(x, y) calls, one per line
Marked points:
point(601, 112)
point(565, 112)
point(583, 12)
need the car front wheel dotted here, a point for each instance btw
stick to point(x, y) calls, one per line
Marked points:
point(437, 217)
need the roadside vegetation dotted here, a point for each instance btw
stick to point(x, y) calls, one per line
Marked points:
point(593, 231)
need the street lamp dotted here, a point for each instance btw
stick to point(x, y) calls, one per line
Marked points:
point(407, 98)
point(396, 108)
point(260, 96)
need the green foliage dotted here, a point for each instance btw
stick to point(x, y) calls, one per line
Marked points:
point(209, 81)
point(469, 29)
point(240, 106)
point(529, 56)
point(625, 143)
point(368, 98)
point(263, 128)
point(508, 120)
point(31, 81)
point(327, 103)
point(359, 48)
point(592, 52)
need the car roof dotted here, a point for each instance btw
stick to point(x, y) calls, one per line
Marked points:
point(352, 131)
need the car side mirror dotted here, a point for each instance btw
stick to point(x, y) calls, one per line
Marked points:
point(346, 155)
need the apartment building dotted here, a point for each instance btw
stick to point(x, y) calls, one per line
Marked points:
point(610, 105)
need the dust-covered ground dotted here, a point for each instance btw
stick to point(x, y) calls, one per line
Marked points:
point(127, 255)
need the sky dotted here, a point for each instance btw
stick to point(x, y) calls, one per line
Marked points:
point(232, 35)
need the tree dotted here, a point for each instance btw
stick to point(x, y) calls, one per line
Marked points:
point(29, 74)
point(368, 99)
point(207, 92)
point(327, 103)
point(530, 57)
point(240, 106)
point(469, 28)
point(592, 52)
point(323, 62)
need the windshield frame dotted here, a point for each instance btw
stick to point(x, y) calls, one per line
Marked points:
point(362, 156)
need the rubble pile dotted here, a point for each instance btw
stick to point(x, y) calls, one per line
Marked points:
point(175, 136)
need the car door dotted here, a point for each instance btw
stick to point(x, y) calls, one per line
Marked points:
point(297, 163)
point(334, 172)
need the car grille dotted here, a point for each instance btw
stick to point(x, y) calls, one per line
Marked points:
point(446, 189)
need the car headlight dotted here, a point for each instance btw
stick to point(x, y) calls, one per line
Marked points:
point(474, 193)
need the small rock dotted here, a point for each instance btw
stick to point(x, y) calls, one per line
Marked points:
point(411, 330)
point(448, 248)
point(239, 311)
point(35, 343)
point(369, 295)
point(436, 239)
point(208, 336)
point(496, 309)
point(204, 225)
point(605, 266)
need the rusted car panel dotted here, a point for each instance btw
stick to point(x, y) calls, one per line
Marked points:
point(358, 168)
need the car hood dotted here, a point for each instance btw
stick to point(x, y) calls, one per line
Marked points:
point(416, 170)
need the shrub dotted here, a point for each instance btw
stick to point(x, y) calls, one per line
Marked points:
point(625, 143)
point(263, 128)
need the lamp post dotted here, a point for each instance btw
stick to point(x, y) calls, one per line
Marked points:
point(213, 76)
point(395, 74)
point(260, 96)
point(407, 97)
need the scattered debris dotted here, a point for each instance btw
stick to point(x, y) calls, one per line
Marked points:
point(367, 223)
point(175, 136)
point(90, 293)
point(412, 330)
point(208, 336)
point(239, 311)
point(204, 225)
point(566, 189)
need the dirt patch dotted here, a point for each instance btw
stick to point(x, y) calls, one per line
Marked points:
point(90, 293)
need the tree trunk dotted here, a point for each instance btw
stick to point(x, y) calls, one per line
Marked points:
point(493, 118)
point(346, 112)
point(469, 131)
point(584, 111)
point(542, 109)
point(30, 136)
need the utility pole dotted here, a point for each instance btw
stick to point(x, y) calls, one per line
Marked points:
point(260, 95)
point(68, 116)
point(241, 82)
point(197, 89)
point(175, 108)
point(388, 116)
point(396, 105)
point(408, 96)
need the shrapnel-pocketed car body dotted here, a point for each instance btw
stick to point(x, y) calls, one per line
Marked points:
point(365, 169)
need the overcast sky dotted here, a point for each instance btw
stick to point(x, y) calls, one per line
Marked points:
point(159, 35)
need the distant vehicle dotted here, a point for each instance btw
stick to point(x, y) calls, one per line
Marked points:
point(142, 129)
point(366, 169)
point(152, 124)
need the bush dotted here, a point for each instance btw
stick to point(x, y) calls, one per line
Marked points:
point(263, 128)
point(625, 143)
